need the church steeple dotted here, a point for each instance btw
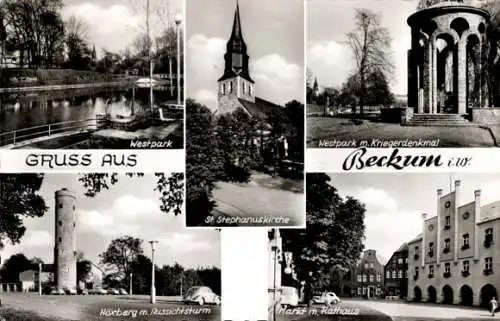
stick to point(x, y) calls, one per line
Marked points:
point(236, 58)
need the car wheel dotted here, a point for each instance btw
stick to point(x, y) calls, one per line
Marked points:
point(201, 301)
point(217, 301)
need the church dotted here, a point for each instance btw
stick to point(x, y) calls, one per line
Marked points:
point(236, 87)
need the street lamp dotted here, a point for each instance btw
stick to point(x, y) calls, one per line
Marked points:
point(153, 289)
point(178, 20)
point(130, 283)
point(39, 278)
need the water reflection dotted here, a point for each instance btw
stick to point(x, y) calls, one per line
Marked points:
point(23, 110)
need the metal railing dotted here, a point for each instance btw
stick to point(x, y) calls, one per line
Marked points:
point(24, 134)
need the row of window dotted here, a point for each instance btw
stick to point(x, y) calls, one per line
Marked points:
point(396, 274)
point(364, 291)
point(371, 277)
point(488, 268)
point(488, 240)
point(229, 88)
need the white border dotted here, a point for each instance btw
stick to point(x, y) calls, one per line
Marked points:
point(91, 161)
point(245, 274)
point(333, 159)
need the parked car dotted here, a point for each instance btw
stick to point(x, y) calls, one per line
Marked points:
point(123, 291)
point(69, 291)
point(56, 291)
point(327, 298)
point(201, 295)
point(82, 291)
point(113, 291)
point(289, 296)
point(98, 291)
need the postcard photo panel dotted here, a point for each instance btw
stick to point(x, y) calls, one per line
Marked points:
point(245, 113)
point(102, 246)
point(94, 75)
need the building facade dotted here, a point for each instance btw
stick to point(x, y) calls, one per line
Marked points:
point(368, 279)
point(65, 239)
point(447, 60)
point(396, 273)
point(454, 260)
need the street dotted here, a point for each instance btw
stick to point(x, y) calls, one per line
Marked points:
point(101, 307)
point(385, 310)
point(263, 197)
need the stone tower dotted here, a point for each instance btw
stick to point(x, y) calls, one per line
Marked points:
point(65, 240)
point(236, 82)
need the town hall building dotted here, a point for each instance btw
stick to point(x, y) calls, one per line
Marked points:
point(236, 87)
point(455, 260)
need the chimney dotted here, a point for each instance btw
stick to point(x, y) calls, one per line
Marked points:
point(455, 214)
point(439, 225)
point(424, 230)
point(477, 218)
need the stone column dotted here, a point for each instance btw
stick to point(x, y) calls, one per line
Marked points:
point(439, 226)
point(429, 75)
point(424, 217)
point(455, 226)
point(462, 77)
point(434, 76)
point(477, 217)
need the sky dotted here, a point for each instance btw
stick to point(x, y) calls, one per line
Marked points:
point(113, 24)
point(395, 202)
point(131, 207)
point(274, 36)
point(328, 21)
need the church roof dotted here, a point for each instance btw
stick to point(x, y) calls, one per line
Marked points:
point(259, 108)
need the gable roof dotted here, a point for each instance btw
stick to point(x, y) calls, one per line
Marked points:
point(259, 108)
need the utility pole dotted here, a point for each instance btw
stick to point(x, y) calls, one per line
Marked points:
point(39, 278)
point(153, 288)
point(178, 20)
point(130, 291)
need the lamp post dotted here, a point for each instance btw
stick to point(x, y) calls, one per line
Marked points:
point(39, 278)
point(178, 20)
point(153, 289)
point(150, 60)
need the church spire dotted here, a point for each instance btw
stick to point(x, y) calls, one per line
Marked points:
point(236, 57)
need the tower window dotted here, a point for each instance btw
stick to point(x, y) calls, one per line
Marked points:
point(447, 222)
point(230, 86)
point(60, 223)
point(74, 224)
point(74, 207)
point(223, 89)
point(59, 205)
point(60, 240)
point(250, 90)
point(243, 87)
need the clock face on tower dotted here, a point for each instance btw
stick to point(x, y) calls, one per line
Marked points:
point(447, 204)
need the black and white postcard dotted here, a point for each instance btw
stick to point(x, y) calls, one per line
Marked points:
point(373, 250)
point(411, 74)
point(103, 247)
point(92, 74)
point(245, 113)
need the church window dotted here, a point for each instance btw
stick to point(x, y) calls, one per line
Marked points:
point(250, 90)
point(243, 87)
point(223, 89)
point(388, 274)
point(60, 223)
point(231, 86)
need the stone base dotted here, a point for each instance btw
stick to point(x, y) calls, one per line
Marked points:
point(485, 116)
point(406, 114)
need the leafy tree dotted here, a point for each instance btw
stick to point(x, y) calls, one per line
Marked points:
point(235, 143)
point(370, 44)
point(83, 267)
point(333, 239)
point(19, 198)
point(295, 131)
point(120, 255)
point(202, 162)
point(14, 265)
point(170, 187)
